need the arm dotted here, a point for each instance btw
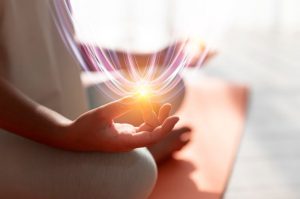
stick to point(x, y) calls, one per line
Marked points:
point(22, 116)
point(92, 131)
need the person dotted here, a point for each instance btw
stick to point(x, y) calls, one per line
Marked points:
point(51, 146)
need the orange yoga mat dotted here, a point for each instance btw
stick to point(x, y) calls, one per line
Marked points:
point(215, 110)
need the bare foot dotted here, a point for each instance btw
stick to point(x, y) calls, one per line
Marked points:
point(175, 141)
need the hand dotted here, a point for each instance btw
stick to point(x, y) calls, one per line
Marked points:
point(96, 131)
point(174, 141)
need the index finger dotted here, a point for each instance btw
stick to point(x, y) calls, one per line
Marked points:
point(119, 107)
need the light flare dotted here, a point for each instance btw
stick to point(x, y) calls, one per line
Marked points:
point(143, 92)
point(155, 81)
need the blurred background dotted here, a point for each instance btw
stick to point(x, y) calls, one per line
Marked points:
point(258, 44)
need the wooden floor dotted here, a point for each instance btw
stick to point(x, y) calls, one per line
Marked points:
point(268, 163)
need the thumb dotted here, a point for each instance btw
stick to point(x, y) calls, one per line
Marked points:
point(119, 107)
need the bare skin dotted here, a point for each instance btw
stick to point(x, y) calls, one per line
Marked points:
point(179, 137)
point(26, 118)
point(173, 142)
point(92, 131)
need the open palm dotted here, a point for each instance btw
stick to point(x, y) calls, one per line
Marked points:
point(95, 130)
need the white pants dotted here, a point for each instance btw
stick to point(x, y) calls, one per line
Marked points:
point(29, 170)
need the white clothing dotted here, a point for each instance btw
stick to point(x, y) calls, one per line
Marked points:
point(37, 61)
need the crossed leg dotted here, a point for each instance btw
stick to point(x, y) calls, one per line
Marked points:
point(29, 170)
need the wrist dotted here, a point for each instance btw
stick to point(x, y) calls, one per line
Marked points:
point(60, 135)
point(56, 128)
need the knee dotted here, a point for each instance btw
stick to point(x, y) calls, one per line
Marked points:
point(75, 175)
point(146, 172)
point(130, 175)
point(139, 176)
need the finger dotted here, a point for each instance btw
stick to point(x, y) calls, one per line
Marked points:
point(182, 141)
point(164, 112)
point(183, 136)
point(149, 116)
point(181, 130)
point(146, 138)
point(117, 108)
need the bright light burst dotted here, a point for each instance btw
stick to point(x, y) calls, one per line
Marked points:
point(151, 81)
point(143, 90)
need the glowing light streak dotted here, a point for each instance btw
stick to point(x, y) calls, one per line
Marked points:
point(153, 80)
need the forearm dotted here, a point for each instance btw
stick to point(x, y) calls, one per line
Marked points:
point(24, 117)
